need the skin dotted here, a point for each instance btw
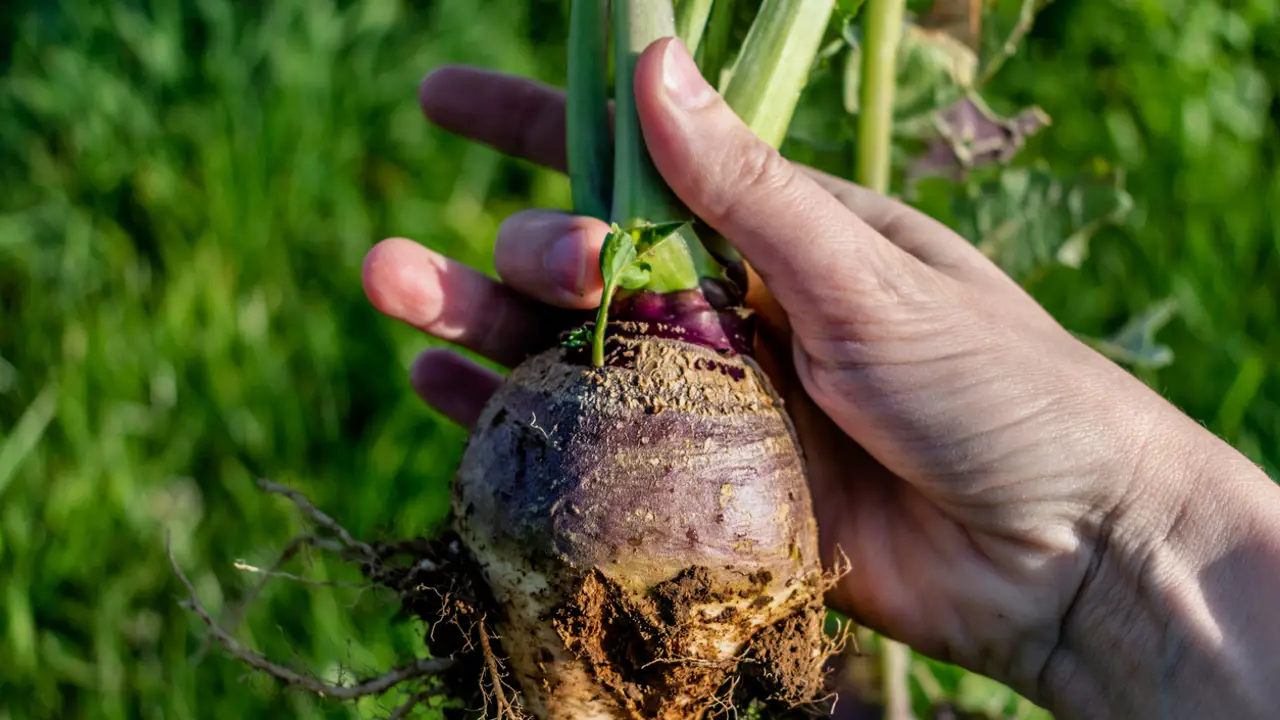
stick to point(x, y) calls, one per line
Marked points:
point(1009, 500)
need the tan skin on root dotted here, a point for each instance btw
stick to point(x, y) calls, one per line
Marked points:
point(647, 530)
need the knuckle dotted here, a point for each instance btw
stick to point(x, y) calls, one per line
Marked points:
point(539, 121)
point(758, 172)
point(521, 237)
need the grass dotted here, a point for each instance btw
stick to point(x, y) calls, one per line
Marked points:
point(188, 188)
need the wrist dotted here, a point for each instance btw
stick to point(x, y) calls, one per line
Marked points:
point(1172, 619)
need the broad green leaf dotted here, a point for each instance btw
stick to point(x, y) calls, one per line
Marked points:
point(1135, 343)
point(651, 236)
point(821, 129)
point(1028, 219)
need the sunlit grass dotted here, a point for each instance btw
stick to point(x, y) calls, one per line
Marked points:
point(187, 189)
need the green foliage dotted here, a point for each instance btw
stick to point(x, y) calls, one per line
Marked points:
point(189, 187)
point(188, 192)
point(627, 260)
point(1028, 219)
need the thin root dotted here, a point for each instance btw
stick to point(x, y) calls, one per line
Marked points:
point(304, 505)
point(507, 709)
point(367, 687)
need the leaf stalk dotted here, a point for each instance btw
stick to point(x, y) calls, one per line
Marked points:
point(773, 66)
point(589, 141)
point(879, 75)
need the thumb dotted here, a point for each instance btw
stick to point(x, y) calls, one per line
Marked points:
point(815, 255)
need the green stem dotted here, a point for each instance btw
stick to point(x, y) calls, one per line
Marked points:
point(879, 75)
point(589, 138)
point(640, 195)
point(691, 22)
point(875, 138)
point(715, 45)
point(773, 66)
point(597, 337)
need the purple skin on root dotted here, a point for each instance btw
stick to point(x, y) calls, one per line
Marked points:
point(685, 315)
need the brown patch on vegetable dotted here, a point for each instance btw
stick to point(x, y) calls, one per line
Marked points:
point(649, 652)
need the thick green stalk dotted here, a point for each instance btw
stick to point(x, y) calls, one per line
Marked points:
point(715, 44)
point(879, 75)
point(691, 22)
point(589, 140)
point(773, 65)
point(640, 195)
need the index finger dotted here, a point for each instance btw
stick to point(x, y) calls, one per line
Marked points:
point(515, 115)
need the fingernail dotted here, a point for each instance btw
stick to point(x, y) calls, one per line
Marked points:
point(565, 262)
point(684, 81)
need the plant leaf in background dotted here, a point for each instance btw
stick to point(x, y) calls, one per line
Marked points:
point(969, 135)
point(1135, 344)
point(848, 9)
point(1026, 219)
point(942, 124)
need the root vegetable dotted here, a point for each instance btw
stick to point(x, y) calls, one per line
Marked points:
point(636, 504)
point(648, 531)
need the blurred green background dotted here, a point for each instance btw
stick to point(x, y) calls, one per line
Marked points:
point(187, 188)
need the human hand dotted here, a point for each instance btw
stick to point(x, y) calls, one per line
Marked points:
point(971, 457)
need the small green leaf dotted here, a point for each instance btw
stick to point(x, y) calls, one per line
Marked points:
point(634, 277)
point(621, 266)
point(1135, 344)
point(576, 339)
point(618, 252)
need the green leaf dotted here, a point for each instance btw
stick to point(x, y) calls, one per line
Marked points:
point(1028, 219)
point(25, 435)
point(1135, 344)
point(650, 236)
point(634, 277)
point(980, 694)
point(933, 71)
point(849, 8)
point(576, 338)
point(622, 266)
point(618, 252)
